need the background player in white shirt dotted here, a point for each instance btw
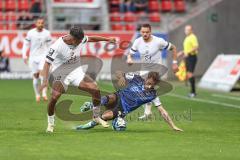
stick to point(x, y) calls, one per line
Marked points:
point(38, 40)
point(62, 56)
point(150, 48)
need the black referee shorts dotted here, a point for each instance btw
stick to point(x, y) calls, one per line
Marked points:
point(191, 62)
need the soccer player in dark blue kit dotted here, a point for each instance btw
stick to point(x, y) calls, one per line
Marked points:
point(136, 92)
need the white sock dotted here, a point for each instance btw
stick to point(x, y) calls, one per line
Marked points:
point(147, 109)
point(96, 111)
point(35, 86)
point(51, 120)
point(44, 91)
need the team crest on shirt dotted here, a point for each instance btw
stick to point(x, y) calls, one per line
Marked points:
point(51, 51)
point(147, 56)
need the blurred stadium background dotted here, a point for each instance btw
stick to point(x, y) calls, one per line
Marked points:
point(215, 22)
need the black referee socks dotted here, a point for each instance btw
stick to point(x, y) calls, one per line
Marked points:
point(192, 82)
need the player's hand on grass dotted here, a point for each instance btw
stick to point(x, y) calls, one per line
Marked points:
point(175, 67)
point(175, 128)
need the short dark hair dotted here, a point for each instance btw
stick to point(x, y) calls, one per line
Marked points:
point(77, 32)
point(39, 18)
point(146, 25)
point(155, 76)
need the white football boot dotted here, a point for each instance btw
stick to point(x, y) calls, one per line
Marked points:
point(50, 128)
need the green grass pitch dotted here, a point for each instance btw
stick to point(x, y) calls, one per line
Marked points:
point(211, 126)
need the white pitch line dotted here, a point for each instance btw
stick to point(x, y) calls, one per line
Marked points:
point(226, 97)
point(205, 101)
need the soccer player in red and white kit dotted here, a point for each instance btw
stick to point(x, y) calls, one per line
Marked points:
point(38, 40)
point(150, 49)
point(66, 51)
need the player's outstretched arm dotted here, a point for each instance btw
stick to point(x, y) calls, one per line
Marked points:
point(167, 118)
point(99, 38)
point(44, 74)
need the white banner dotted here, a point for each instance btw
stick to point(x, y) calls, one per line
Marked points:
point(223, 73)
point(77, 3)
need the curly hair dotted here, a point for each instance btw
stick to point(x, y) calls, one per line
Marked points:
point(155, 76)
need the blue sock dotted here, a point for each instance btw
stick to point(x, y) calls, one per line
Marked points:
point(104, 100)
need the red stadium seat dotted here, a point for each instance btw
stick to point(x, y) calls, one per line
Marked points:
point(141, 15)
point(10, 5)
point(117, 27)
point(130, 27)
point(2, 5)
point(2, 26)
point(114, 5)
point(11, 16)
point(114, 9)
point(11, 26)
point(153, 6)
point(155, 17)
point(114, 2)
point(166, 5)
point(179, 5)
point(115, 17)
point(130, 17)
point(23, 5)
point(2, 16)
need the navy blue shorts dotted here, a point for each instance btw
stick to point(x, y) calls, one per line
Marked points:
point(117, 108)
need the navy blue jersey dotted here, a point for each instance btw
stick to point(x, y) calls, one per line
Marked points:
point(134, 95)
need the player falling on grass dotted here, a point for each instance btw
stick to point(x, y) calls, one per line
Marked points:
point(135, 93)
point(150, 49)
point(66, 51)
point(38, 40)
